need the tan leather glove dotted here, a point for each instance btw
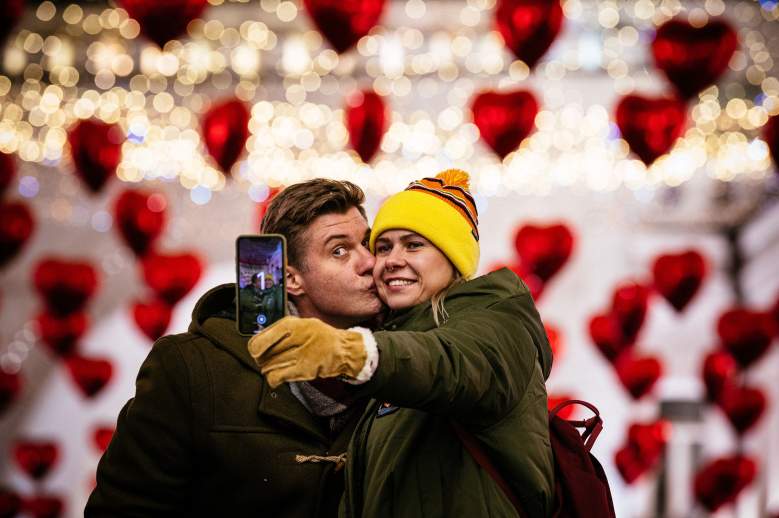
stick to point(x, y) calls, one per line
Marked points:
point(304, 349)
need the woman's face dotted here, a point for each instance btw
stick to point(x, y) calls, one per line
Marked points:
point(409, 269)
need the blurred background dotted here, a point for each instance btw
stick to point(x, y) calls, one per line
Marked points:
point(622, 155)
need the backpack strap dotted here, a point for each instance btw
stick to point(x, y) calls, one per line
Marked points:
point(471, 444)
point(592, 426)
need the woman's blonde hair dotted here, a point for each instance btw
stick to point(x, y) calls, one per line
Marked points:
point(440, 316)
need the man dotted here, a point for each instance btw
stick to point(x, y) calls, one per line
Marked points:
point(205, 435)
point(272, 300)
point(251, 297)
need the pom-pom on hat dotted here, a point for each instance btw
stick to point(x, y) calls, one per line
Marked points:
point(442, 210)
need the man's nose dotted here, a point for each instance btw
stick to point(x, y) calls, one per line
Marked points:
point(367, 261)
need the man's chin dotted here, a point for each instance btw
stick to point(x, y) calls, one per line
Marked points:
point(370, 309)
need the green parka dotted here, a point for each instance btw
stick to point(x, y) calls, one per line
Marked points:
point(205, 436)
point(485, 368)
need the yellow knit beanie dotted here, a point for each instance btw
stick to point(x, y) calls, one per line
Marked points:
point(442, 210)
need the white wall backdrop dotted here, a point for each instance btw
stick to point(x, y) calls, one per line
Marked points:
point(615, 240)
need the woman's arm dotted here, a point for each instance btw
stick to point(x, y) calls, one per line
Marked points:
point(476, 367)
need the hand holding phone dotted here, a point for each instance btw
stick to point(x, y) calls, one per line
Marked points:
point(261, 290)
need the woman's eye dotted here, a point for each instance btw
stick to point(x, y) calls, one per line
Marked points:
point(340, 251)
point(415, 244)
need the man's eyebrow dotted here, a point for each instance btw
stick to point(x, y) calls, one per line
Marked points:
point(336, 237)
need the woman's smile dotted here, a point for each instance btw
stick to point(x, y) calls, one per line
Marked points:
point(409, 269)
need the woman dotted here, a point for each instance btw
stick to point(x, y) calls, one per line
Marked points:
point(472, 352)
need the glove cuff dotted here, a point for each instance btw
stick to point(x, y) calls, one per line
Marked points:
point(371, 357)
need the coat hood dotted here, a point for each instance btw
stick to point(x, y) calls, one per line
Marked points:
point(214, 318)
point(505, 284)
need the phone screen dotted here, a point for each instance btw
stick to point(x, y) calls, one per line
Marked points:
point(261, 297)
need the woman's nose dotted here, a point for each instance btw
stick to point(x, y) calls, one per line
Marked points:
point(395, 259)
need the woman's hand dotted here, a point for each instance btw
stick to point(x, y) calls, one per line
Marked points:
point(304, 349)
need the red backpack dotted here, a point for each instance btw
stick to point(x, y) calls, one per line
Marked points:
point(581, 488)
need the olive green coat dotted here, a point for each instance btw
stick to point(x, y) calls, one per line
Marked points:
point(484, 368)
point(205, 436)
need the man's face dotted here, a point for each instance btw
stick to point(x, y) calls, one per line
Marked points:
point(335, 279)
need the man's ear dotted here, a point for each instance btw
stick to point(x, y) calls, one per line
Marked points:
point(295, 284)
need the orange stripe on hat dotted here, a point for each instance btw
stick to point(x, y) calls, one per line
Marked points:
point(452, 186)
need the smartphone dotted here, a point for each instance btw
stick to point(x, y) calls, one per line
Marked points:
point(261, 288)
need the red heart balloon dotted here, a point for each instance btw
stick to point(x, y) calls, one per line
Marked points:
point(606, 334)
point(774, 312)
point(743, 406)
point(96, 148)
point(504, 119)
point(719, 372)
point(171, 277)
point(745, 334)
point(7, 167)
point(567, 411)
point(61, 333)
point(10, 503)
point(366, 121)
point(771, 137)
point(720, 481)
point(529, 27)
point(650, 126)
point(534, 284)
point(44, 506)
point(544, 250)
point(691, 57)
point(90, 374)
point(101, 437)
point(630, 464)
point(10, 386)
point(679, 276)
point(225, 130)
point(643, 449)
point(344, 22)
point(629, 305)
point(36, 458)
point(163, 21)
point(16, 227)
point(66, 286)
point(140, 216)
point(152, 318)
point(10, 14)
point(649, 439)
point(555, 340)
point(638, 374)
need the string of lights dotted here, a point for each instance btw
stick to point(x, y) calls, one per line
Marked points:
point(98, 65)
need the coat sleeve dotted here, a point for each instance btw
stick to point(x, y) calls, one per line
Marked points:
point(475, 368)
point(147, 468)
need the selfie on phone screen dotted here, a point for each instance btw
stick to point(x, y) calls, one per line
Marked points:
point(260, 270)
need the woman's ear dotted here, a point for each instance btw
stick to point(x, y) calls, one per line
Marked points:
point(295, 284)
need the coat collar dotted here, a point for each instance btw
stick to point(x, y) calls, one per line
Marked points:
point(494, 286)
